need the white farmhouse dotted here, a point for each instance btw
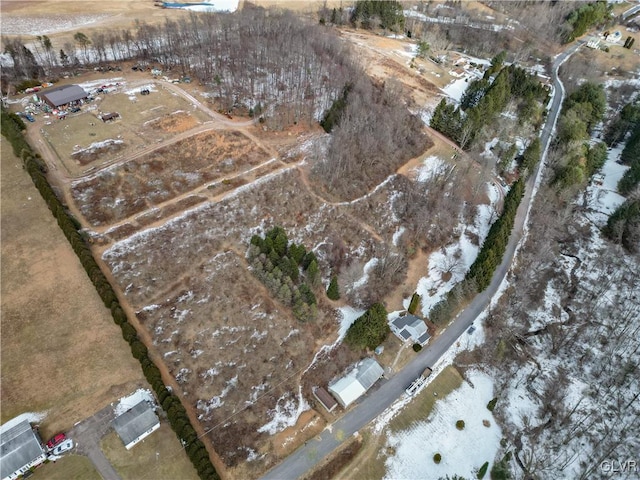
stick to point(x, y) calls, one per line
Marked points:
point(410, 327)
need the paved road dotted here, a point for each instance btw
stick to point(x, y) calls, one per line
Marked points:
point(87, 435)
point(369, 407)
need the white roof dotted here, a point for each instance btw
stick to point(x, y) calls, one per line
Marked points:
point(347, 390)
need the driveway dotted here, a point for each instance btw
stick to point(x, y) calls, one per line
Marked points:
point(87, 435)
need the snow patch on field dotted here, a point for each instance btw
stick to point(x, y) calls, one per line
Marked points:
point(365, 275)
point(348, 316)
point(286, 413)
point(463, 451)
point(130, 401)
point(31, 417)
point(431, 167)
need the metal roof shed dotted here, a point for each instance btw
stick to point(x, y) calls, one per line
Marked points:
point(62, 95)
point(20, 449)
point(136, 424)
point(369, 372)
point(347, 390)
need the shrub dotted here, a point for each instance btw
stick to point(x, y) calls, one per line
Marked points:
point(483, 470)
point(333, 293)
point(417, 347)
point(492, 404)
point(413, 305)
point(437, 458)
point(460, 424)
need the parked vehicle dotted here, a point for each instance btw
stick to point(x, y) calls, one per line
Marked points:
point(418, 382)
point(56, 440)
point(63, 447)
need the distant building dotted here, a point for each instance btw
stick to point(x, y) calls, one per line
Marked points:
point(410, 327)
point(62, 95)
point(593, 42)
point(20, 449)
point(107, 117)
point(136, 424)
point(356, 383)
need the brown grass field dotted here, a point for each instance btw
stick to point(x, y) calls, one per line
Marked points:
point(157, 457)
point(61, 352)
point(69, 467)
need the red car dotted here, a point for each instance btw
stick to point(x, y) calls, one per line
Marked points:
point(56, 440)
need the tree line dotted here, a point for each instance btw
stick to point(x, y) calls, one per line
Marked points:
point(12, 128)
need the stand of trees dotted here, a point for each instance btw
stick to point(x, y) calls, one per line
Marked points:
point(586, 16)
point(12, 127)
point(277, 264)
point(581, 112)
point(370, 329)
point(484, 100)
point(373, 135)
point(386, 14)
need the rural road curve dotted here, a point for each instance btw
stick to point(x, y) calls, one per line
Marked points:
point(87, 435)
point(372, 405)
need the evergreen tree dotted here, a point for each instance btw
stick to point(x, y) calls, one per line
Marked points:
point(313, 273)
point(333, 293)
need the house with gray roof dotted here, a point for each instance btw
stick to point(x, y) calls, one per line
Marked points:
point(62, 95)
point(410, 327)
point(136, 424)
point(352, 386)
point(20, 450)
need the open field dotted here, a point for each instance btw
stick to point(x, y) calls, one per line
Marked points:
point(61, 351)
point(159, 456)
point(69, 467)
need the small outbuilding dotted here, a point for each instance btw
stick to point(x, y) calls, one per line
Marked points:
point(136, 424)
point(20, 450)
point(356, 383)
point(410, 327)
point(62, 95)
point(107, 117)
point(326, 400)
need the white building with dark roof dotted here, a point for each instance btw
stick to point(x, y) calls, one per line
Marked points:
point(410, 327)
point(352, 386)
point(20, 450)
point(62, 95)
point(136, 424)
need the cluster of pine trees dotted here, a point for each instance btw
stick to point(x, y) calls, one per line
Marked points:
point(485, 99)
point(586, 16)
point(581, 112)
point(12, 127)
point(623, 225)
point(386, 14)
point(278, 264)
point(370, 329)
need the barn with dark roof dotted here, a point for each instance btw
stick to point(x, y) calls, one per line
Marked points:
point(62, 95)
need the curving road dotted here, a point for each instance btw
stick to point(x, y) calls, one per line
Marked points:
point(372, 405)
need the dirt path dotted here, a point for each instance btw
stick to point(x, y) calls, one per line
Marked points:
point(418, 268)
point(87, 435)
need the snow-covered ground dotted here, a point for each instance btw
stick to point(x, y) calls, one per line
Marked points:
point(32, 417)
point(601, 194)
point(212, 6)
point(286, 413)
point(130, 401)
point(463, 451)
point(456, 89)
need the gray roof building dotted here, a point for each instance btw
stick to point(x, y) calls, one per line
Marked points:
point(20, 449)
point(136, 424)
point(410, 327)
point(62, 95)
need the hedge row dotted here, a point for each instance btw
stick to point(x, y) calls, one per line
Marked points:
point(12, 127)
point(490, 255)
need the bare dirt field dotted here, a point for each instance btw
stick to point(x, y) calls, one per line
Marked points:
point(61, 351)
